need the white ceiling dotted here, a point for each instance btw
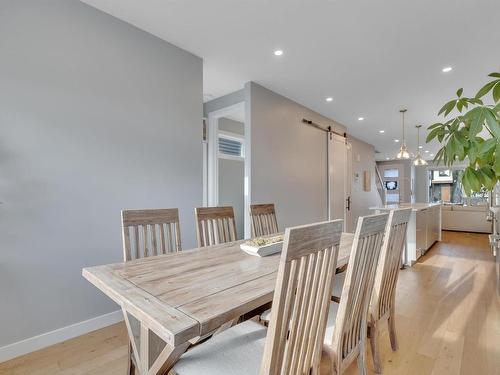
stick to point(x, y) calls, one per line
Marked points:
point(372, 57)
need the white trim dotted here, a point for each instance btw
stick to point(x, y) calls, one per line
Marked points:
point(211, 190)
point(204, 148)
point(231, 157)
point(231, 135)
point(248, 160)
point(212, 187)
point(44, 340)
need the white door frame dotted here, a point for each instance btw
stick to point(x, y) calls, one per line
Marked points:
point(211, 187)
point(349, 225)
point(335, 141)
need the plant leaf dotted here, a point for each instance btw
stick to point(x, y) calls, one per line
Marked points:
point(489, 179)
point(448, 107)
point(486, 89)
point(496, 165)
point(433, 126)
point(487, 147)
point(432, 135)
point(459, 92)
point(465, 183)
point(439, 156)
point(492, 122)
point(496, 93)
point(474, 180)
point(494, 74)
point(476, 117)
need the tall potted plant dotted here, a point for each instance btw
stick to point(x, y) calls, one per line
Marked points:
point(473, 133)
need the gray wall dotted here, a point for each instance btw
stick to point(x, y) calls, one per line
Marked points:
point(288, 158)
point(223, 102)
point(363, 159)
point(407, 184)
point(421, 184)
point(231, 179)
point(95, 116)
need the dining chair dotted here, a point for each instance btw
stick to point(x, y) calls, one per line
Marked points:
point(215, 225)
point(263, 219)
point(293, 343)
point(146, 233)
point(346, 331)
point(150, 232)
point(382, 306)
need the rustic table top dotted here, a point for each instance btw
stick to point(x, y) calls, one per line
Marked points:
point(193, 292)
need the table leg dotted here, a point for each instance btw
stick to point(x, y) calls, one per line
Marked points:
point(153, 356)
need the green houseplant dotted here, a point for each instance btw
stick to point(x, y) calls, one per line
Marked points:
point(472, 133)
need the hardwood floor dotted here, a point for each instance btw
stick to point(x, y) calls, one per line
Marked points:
point(448, 322)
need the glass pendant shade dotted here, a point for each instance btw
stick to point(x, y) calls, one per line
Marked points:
point(419, 160)
point(403, 151)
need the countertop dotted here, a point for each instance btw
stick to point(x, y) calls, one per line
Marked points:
point(414, 206)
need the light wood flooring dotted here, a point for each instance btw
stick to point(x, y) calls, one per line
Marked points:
point(448, 321)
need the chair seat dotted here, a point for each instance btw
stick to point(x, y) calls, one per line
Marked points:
point(237, 350)
point(332, 316)
point(338, 284)
point(266, 316)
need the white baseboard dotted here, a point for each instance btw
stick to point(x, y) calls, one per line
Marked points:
point(59, 335)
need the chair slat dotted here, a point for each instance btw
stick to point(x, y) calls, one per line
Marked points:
point(382, 305)
point(301, 299)
point(215, 225)
point(349, 333)
point(145, 225)
point(264, 220)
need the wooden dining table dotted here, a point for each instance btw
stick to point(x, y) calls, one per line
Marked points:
point(173, 301)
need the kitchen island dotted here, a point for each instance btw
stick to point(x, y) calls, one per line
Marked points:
point(424, 228)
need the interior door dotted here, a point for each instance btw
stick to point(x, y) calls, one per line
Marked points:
point(338, 179)
point(392, 176)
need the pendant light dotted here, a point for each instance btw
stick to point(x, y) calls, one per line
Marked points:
point(403, 151)
point(419, 160)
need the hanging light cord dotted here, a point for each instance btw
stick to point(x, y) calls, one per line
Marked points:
point(418, 138)
point(403, 112)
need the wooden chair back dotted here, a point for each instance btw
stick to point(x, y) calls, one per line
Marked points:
point(301, 299)
point(215, 225)
point(263, 219)
point(150, 232)
point(384, 291)
point(350, 331)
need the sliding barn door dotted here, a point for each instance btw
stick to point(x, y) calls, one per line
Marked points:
point(339, 167)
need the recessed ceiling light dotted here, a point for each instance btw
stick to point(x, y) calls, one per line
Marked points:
point(329, 99)
point(420, 147)
point(278, 52)
point(381, 131)
point(396, 140)
point(431, 155)
point(361, 118)
point(387, 158)
point(426, 151)
point(447, 69)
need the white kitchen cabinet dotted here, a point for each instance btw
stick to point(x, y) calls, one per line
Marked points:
point(424, 228)
point(421, 227)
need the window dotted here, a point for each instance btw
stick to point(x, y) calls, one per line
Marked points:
point(391, 185)
point(445, 186)
point(391, 173)
point(231, 146)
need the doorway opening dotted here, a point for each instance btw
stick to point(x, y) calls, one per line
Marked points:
point(225, 162)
